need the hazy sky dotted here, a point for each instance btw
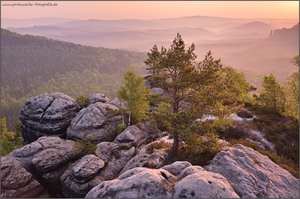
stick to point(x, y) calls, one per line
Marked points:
point(150, 9)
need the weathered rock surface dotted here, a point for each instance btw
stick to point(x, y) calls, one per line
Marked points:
point(115, 157)
point(81, 176)
point(159, 183)
point(96, 123)
point(147, 158)
point(198, 183)
point(117, 103)
point(47, 159)
point(177, 167)
point(253, 175)
point(47, 114)
point(139, 134)
point(135, 183)
point(17, 182)
point(97, 97)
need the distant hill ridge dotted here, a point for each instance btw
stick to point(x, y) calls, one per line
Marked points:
point(286, 33)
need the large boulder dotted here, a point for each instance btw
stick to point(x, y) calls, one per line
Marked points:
point(17, 182)
point(135, 183)
point(96, 123)
point(193, 182)
point(253, 175)
point(47, 159)
point(47, 115)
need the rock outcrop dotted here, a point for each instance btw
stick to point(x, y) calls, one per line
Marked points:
point(97, 161)
point(147, 157)
point(47, 115)
point(195, 182)
point(47, 159)
point(81, 176)
point(17, 182)
point(115, 157)
point(97, 97)
point(159, 183)
point(253, 175)
point(96, 123)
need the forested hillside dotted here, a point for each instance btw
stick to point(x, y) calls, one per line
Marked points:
point(32, 64)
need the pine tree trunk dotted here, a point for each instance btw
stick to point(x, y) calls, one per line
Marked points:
point(175, 145)
point(129, 119)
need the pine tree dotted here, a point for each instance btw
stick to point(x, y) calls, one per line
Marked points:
point(9, 140)
point(272, 95)
point(134, 93)
point(291, 91)
point(176, 71)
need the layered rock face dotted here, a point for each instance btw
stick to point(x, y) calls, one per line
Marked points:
point(253, 175)
point(63, 170)
point(47, 115)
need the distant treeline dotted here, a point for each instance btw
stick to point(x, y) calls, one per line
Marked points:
point(31, 65)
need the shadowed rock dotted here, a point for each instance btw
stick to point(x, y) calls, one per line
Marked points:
point(47, 114)
point(81, 176)
point(17, 182)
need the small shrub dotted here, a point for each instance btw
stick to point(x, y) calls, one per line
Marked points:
point(120, 128)
point(158, 145)
point(116, 154)
point(83, 147)
point(82, 101)
point(256, 161)
point(200, 150)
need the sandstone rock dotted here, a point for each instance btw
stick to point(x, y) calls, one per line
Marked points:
point(96, 123)
point(254, 175)
point(117, 103)
point(17, 182)
point(177, 167)
point(146, 158)
point(45, 154)
point(97, 97)
point(47, 158)
point(131, 134)
point(203, 184)
point(159, 183)
point(81, 176)
point(47, 114)
point(135, 183)
point(115, 157)
point(139, 134)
